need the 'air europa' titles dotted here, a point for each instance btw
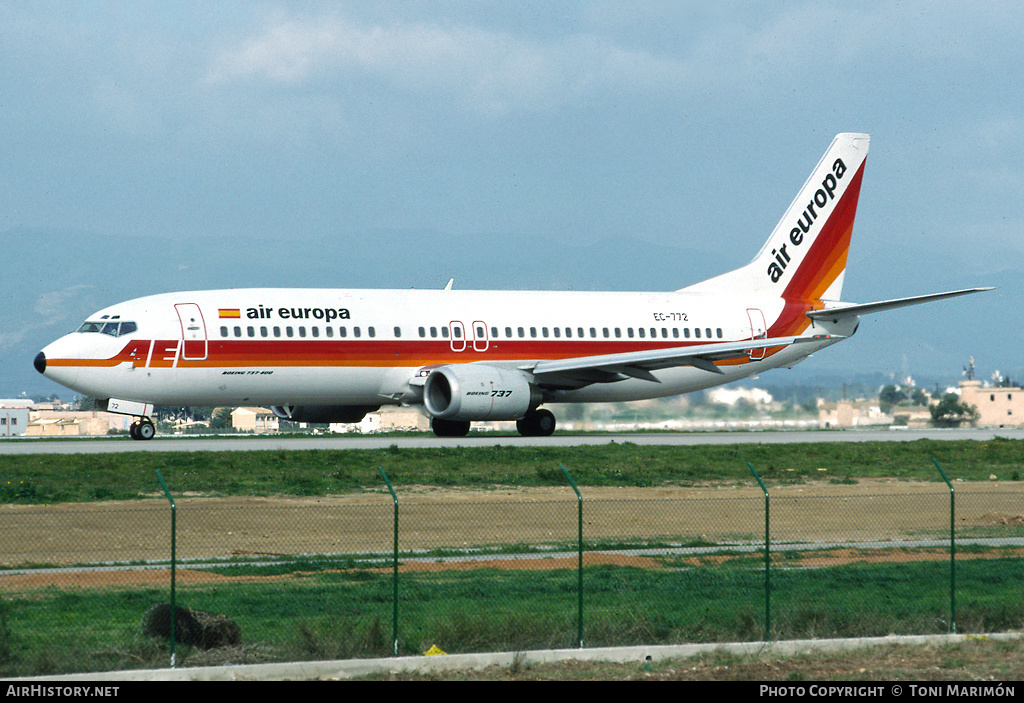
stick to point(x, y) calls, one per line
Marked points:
point(300, 313)
point(822, 197)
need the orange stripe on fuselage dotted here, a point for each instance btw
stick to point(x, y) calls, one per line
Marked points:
point(380, 353)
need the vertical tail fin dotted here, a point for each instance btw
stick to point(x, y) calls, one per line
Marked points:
point(805, 256)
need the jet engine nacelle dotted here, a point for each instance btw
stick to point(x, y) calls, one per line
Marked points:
point(478, 392)
point(323, 413)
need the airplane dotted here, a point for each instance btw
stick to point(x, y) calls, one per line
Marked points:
point(463, 356)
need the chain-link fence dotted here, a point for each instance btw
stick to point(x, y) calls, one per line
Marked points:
point(500, 570)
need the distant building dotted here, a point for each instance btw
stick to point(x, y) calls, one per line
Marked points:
point(387, 419)
point(997, 407)
point(258, 420)
point(55, 423)
point(847, 413)
point(14, 417)
point(731, 396)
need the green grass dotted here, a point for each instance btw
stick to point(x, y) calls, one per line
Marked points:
point(90, 477)
point(349, 614)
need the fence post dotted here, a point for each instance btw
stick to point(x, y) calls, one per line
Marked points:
point(174, 556)
point(394, 576)
point(767, 560)
point(579, 567)
point(952, 549)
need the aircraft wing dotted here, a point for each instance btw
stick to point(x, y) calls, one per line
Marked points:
point(581, 371)
point(843, 311)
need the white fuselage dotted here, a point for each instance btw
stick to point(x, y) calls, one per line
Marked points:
point(364, 347)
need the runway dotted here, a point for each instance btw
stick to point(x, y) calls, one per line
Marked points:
point(105, 445)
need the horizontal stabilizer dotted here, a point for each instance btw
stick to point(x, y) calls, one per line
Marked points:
point(845, 311)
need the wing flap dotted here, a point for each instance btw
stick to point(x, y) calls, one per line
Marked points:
point(613, 367)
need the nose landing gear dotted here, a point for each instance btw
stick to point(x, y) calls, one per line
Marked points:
point(142, 429)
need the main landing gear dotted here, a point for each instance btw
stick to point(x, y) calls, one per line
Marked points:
point(537, 423)
point(449, 428)
point(142, 429)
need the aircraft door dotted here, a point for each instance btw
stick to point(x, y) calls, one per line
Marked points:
point(758, 330)
point(457, 336)
point(480, 339)
point(194, 346)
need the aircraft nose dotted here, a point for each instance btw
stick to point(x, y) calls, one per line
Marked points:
point(40, 362)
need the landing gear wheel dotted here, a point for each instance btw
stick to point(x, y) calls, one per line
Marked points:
point(142, 429)
point(449, 428)
point(538, 423)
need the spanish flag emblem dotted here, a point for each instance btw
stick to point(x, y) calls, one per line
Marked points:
point(229, 313)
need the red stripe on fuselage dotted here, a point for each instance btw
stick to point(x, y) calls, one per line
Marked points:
point(369, 353)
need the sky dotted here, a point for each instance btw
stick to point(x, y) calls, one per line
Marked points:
point(507, 145)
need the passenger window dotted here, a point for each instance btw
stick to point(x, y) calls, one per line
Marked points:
point(238, 331)
point(223, 331)
point(277, 331)
point(433, 331)
point(521, 331)
point(423, 332)
point(330, 331)
point(641, 331)
point(302, 331)
point(444, 333)
point(508, 333)
point(558, 332)
point(289, 332)
point(719, 331)
point(629, 332)
point(533, 332)
point(356, 332)
point(371, 331)
point(251, 331)
point(398, 332)
point(696, 332)
point(343, 331)
point(675, 332)
point(494, 331)
point(263, 331)
point(618, 333)
point(315, 331)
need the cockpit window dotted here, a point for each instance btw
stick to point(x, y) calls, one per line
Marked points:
point(114, 329)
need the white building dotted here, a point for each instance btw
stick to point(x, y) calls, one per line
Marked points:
point(258, 420)
point(14, 417)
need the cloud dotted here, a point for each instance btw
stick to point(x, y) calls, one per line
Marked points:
point(489, 70)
